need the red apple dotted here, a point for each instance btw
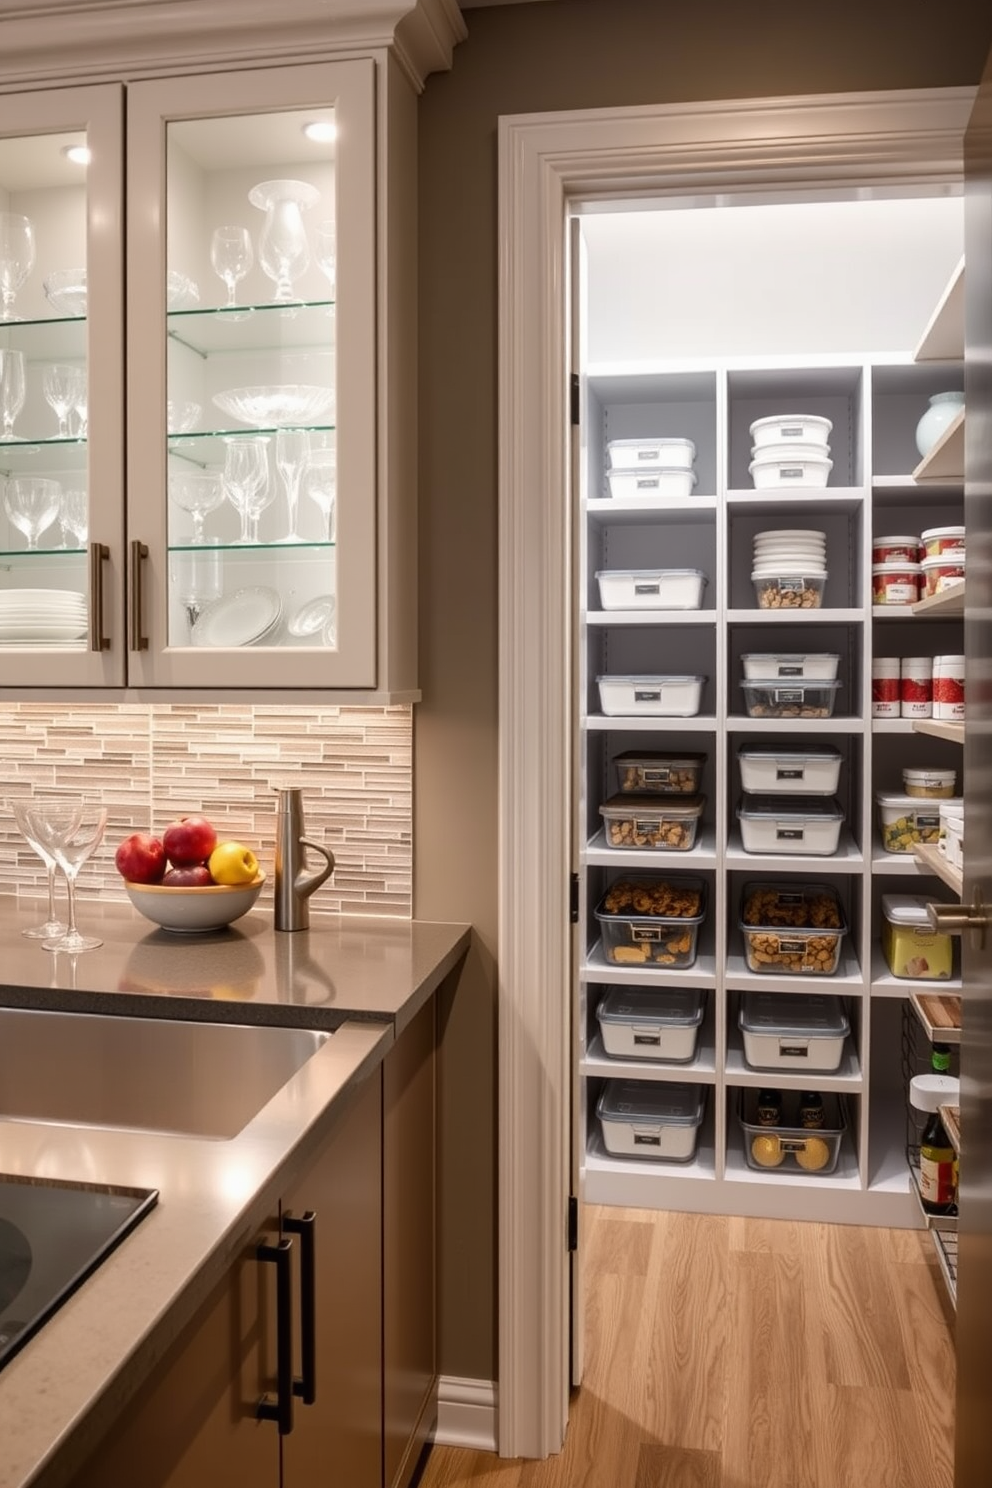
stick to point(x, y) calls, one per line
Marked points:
point(189, 840)
point(140, 858)
point(196, 876)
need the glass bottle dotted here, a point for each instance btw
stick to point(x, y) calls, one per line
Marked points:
point(810, 1109)
point(769, 1109)
point(937, 1166)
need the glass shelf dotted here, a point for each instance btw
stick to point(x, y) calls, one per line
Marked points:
point(297, 325)
point(276, 549)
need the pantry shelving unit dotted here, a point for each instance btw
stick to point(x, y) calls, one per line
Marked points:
point(874, 405)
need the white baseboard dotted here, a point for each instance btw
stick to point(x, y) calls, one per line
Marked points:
point(466, 1413)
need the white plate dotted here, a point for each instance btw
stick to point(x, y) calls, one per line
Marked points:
point(313, 616)
point(238, 619)
point(41, 630)
point(37, 643)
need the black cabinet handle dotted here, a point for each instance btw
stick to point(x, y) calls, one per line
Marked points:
point(305, 1225)
point(281, 1409)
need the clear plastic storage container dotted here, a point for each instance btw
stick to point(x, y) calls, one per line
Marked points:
point(661, 697)
point(665, 823)
point(912, 948)
point(775, 698)
point(789, 1147)
point(905, 821)
point(789, 591)
point(656, 771)
point(791, 429)
point(659, 1023)
point(812, 771)
point(790, 824)
point(793, 1031)
point(793, 928)
point(651, 588)
point(652, 921)
point(651, 1119)
point(765, 665)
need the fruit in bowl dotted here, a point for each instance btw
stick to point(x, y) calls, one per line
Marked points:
point(187, 880)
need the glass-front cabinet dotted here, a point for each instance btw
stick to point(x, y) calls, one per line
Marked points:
point(193, 502)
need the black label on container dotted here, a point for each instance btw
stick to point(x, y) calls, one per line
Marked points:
point(789, 1146)
point(790, 774)
point(641, 1140)
point(787, 694)
point(790, 671)
point(656, 777)
point(792, 586)
point(641, 696)
point(647, 588)
point(793, 1051)
point(647, 1038)
point(786, 898)
point(790, 834)
point(648, 934)
point(791, 947)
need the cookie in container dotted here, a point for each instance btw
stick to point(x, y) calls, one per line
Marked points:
point(651, 1119)
point(652, 920)
point(795, 697)
point(792, 928)
point(664, 823)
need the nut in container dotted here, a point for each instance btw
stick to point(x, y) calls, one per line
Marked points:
point(795, 928)
point(652, 920)
point(665, 823)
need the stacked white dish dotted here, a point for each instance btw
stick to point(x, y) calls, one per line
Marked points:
point(42, 617)
point(789, 450)
point(789, 568)
point(651, 468)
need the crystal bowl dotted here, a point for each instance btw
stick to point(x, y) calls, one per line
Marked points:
point(189, 910)
point(182, 417)
point(289, 405)
point(65, 290)
point(180, 291)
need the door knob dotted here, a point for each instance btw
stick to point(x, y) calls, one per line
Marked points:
point(955, 919)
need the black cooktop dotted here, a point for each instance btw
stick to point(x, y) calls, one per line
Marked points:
point(53, 1234)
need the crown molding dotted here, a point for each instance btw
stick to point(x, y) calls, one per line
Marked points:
point(46, 41)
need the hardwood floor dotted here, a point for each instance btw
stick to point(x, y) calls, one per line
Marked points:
point(740, 1353)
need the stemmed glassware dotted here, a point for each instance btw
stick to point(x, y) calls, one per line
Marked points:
point(32, 504)
point(283, 250)
point(74, 515)
point(63, 387)
point(246, 481)
point(198, 492)
point(13, 389)
point(325, 251)
point(17, 256)
point(71, 843)
point(197, 578)
point(60, 816)
point(319, 481)
point(292, 453)
point(232, 256)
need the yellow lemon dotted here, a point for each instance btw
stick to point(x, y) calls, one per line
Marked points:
point(767, 1151)
point(815, 1154)
point(233, 863)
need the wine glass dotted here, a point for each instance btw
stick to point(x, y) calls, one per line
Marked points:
point(62, 386)
point(32, 504)
point(198, 492)
point(63, 816)
point(292, 453)
point(81, 405)
point(71, 844)
point(319, 481)
point(13, 389)
point(246, 481)
point(325, 250)
point(196, 578)
point(74, 515)
point(17, 255)
point(283, 250)
point(231, 255)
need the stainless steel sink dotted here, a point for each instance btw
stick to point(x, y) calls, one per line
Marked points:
point(145, 1074)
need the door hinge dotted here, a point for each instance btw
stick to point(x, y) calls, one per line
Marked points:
point(575, 397)
point(573, 1222)
point(573, 899)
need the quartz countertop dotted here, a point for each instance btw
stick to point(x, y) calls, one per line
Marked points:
point(361, 978)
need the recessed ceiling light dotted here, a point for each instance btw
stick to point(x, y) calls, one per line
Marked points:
point(78, 154)
point(323, 131)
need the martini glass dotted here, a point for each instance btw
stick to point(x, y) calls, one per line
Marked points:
point(71, 843)
point(17, 255)
point(198, 492)
point(61, 816)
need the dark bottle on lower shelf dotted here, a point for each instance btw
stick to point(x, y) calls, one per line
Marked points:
point(938, 1175)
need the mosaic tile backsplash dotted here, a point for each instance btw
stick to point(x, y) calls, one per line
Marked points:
point(149, 763)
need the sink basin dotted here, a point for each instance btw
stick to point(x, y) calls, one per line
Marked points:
point(145, 1074)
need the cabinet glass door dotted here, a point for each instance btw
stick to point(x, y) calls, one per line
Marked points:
point(60, 490)
point(261, 412)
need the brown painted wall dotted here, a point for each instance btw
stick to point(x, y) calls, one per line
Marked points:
point(561, 54)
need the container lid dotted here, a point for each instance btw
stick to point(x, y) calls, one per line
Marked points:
point(640, 471)
point(906, 909)
point(790, 658)
point(901, 537)
point(897, 565)
point(773, 454)
point(653, 757)
point(653, 1103)
point(672, 1007)
point(949, 558)
point(791, 532)
point(789, 808)
point(651, 573)
point(792, 418)
point(788, 575)
point(951, 661)
point(929, 777)
point(912, 805)
point(667, 808)
point(769, 752)
point(794, 684)
point(652, 443)
point(930, 1092)
point(651, 681)
point(942, 532)
point(793, 1015)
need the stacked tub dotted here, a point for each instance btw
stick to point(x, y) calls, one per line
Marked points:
point(790, 450)
point(661, 469)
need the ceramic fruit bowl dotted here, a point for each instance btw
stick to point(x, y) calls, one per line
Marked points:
point(187, 911)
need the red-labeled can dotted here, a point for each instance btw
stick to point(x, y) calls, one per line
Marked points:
point(948, 687)
point(885, 687)
point(916, 687)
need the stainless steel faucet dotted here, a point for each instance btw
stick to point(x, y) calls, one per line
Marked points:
point(294, 883)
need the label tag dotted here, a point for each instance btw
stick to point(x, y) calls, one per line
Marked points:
point(790, 834)
point(790, 774)
point(787, 694)
point(648, 588)
point(642, 696)
point(647, 1038)
point(791, 947)
point(793, 1051)
point(791, 586)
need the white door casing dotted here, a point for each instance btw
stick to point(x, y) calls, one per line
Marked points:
point(788, 147)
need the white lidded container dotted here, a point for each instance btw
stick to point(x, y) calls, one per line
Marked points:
point(793, 1030)
point(790, 824)
point(791, 428)
point(938, 540)
point(783, 771)
point(653, 1119)
point(645, 696)
point(651, 1023)
point(651, 588)
point(943, 570)
point(768, 664)
point(905, 820)
point(661, 454)
point(798, 465)
point(652, 483)
point(930, 782)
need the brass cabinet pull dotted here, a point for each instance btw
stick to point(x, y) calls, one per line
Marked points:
point(137, 641)
point(99, 555)
point(955, 919)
